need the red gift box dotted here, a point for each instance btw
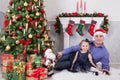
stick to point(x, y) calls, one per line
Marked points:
point(7, 62)
point(38, 74)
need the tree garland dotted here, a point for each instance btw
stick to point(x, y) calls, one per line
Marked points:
point(104, 26)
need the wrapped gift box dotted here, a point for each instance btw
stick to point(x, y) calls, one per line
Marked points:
point(7, 62)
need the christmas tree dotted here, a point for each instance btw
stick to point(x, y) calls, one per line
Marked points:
point(25, 28)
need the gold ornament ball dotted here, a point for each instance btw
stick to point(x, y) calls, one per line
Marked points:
point(45, 23)
point(30, 35)
point(7, 48)
point(17, 42)
point(39, 26)
point(25, 4)
point(8, 10)
point(48, 44)
point(27, 16)
point(37, 14)
point(35, 0)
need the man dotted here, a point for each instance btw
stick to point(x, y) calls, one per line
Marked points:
point(98, 52)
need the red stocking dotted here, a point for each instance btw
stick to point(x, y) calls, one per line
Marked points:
point(92, 27)
point(69, 27)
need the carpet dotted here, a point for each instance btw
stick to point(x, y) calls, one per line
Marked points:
point(66, 75)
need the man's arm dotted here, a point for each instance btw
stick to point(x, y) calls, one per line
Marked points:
point(105, 62)
point(68, 50)
point(71, 49)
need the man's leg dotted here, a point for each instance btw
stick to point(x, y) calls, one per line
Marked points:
point(63, 62)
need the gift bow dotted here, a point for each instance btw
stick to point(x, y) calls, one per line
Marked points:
point(25, 42)
point(39, 72)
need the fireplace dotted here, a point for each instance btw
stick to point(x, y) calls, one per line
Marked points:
point(65, 20)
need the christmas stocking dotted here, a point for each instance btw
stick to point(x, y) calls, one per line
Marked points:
point(69, 27)
point(80, 27)
point(92, 27)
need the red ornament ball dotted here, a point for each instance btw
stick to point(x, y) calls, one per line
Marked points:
point(38, 35)
point(10, 3)
point(35, 50)
point(6, 30)
point(19, 16)
point(19, 7)
point(20, 27)
point(29, 9)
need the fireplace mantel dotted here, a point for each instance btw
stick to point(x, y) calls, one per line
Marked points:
point(65, 20)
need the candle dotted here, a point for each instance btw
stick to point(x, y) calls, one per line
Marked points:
point(36, 23)
point(84, 6)
point(24, 31)
point(77, 6)
point(81, 6)
point(42, 42)
point(38, 47)
point(32, 7)
point(26, 27)
point(10, 22)
point(39, 2)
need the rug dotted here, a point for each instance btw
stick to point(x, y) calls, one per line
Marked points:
point(66, 75)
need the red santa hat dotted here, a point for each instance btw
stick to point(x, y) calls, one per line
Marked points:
point(100, 32)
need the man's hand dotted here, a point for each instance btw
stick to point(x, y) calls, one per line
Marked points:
point(59, 55)
point(106, 71)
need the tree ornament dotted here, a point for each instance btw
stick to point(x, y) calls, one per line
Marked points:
point(10, 3)
point(14, 18)
point(17, 42)
point(19, 16)
point(8, 10)
point(7, 48)
point(41, 19)
point(20, 28)
point(6, 16)
point(24, 51)
point(19, 7)
point(36, 0)
point(45, 23)
point(92, 27)
point(46, 37)
point(25, 4)
point(69, 27)
point(39, 26)
point(35, 50)
point(37, 14)
point(42, 11)
point(30, 36)
point(38, 35)
point(29, 9)
point(80, 27)
point(6, 30)
point(6, 22)
point(31, 3)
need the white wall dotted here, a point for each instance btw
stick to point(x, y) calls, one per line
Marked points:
point(110, 7)
point(55, 7)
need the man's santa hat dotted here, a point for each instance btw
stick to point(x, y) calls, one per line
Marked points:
point(100, 32)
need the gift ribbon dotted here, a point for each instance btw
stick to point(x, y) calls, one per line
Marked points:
point(19, 68)
point(38, 73)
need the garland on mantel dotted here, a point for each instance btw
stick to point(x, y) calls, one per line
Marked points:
point(58, 25)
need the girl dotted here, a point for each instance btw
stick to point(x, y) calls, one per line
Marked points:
point(82, 60)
